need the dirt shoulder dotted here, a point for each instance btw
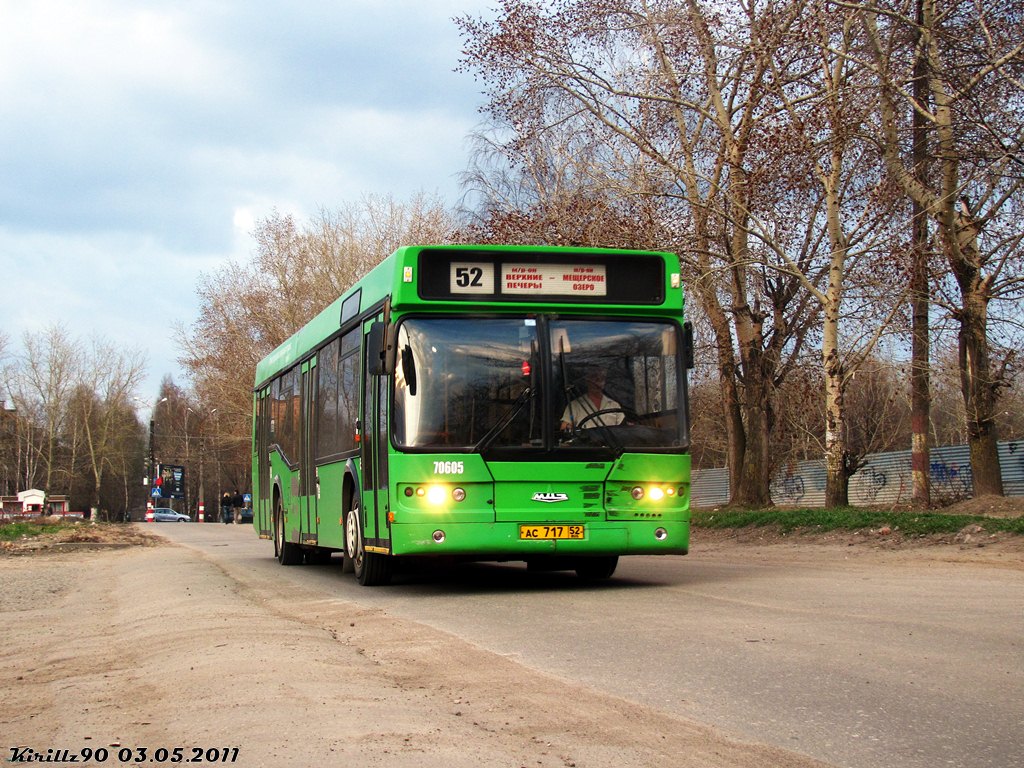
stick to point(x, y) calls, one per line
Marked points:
point(116, 639)
point(156, 647)
point(78, 537)
point(971, 544)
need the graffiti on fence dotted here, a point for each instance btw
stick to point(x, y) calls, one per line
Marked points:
point(789, 488)
point(1012, 449)
point(793, 487)
point(885, 479)
point(951, 479)
point(872, 482)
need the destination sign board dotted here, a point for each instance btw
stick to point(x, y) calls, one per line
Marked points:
point(610, 277)
point(554, 279)
point(526, 279)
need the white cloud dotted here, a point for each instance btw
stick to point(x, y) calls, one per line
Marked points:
point(127, 290)
point(84, 49)
point(140, 142)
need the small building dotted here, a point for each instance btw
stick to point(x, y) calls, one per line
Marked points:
point(33, 503)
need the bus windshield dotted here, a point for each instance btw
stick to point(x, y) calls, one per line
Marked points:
point(538, 383)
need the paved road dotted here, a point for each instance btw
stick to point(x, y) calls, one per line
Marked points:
point(861, 659)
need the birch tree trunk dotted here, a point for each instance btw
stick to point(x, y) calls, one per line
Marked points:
point(992, 177)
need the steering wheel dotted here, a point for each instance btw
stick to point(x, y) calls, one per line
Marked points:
point(595, 414)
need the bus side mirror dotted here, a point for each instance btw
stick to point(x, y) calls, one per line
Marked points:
point(380, 349)
point(688, 345)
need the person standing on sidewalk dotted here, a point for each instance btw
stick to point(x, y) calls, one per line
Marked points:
point(237, 502)
point(225, 508)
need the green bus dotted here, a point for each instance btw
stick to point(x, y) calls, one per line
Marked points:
point(492, 403)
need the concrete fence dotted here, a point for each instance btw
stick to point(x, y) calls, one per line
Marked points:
point(884, 479)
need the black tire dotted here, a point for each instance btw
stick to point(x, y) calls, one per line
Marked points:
point(596, 568)
point(287, 552)
point(371, 569)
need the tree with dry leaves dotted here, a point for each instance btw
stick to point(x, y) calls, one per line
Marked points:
point(50, 366)
point(105, 416)
point(680, 102)
point(836, 198)
point(296, 270)
point(772, 136)
point(71, 420)
point(971, 58)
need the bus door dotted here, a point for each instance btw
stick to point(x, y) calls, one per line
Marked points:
point(374, 455)
point(307, 453)
point(261, 498)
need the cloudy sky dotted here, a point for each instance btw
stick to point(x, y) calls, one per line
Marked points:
point(141, 139)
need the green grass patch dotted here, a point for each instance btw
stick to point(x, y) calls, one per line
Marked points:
point(853, 519)
point(12, 531)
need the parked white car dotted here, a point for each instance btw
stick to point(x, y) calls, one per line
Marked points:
point(164, 515)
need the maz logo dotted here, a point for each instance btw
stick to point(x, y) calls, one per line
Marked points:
point(550, 498)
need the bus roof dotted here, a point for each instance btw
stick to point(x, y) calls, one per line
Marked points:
point(423, 276)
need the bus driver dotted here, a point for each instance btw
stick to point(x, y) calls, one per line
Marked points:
point(593, 400)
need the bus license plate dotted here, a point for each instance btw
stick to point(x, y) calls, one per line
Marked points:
point(552, 532)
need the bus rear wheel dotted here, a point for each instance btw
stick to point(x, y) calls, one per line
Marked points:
point(287, 552)
point(371, 569)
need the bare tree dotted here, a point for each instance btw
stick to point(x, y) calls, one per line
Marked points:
point(835, 184)
point(296, 270)
point(971, 56)
point(107, 422)
point(72, 429)
point(876, 411)
point(8, 421)
point(677, 99)
point(50, 366)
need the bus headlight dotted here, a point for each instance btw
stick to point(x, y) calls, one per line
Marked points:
point(654, 492)
point(435, 495)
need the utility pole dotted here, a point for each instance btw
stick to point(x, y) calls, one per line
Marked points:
point(151, 464)
point(151, 459)
point(920, 387)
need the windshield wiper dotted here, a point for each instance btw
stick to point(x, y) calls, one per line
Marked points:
point(491, 435)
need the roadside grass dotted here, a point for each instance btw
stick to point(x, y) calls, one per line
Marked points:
point(39, 535)
point(853, 519)
point(11, 531)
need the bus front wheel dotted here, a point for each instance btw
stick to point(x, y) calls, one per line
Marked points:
point(371, 568)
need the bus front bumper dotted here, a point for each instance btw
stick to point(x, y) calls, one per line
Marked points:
point(515, 540)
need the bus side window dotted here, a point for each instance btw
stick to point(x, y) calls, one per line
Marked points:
point(348, 391)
